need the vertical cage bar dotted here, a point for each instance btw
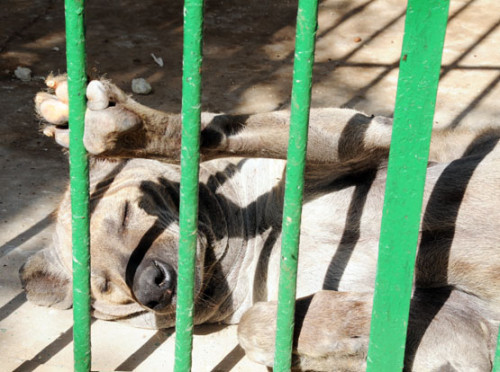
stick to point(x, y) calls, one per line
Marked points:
point(75, 54)
point(496, 362)
point(420, 64)
point(190, 157)
point(297, 147)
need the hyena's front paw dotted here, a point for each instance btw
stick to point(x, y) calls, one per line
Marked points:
point(110, 124)
point(53, 108)
point(107, 117)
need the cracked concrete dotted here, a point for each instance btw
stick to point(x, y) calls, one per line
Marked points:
point(247, 67)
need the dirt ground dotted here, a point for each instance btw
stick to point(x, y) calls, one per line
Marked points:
point(248, 56)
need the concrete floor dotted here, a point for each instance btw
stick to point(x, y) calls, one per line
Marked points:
point(247, 68)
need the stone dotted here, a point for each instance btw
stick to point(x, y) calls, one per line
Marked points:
point(23, 73)
point(141, 86)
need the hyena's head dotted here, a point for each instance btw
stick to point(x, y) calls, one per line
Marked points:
point(134, 246)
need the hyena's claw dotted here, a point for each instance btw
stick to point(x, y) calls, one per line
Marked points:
point(61, 136)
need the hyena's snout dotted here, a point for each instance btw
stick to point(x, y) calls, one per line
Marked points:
point(154, 284)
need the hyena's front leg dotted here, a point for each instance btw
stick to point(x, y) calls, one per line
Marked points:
point(340, 140)
point(331, 332)
point(118, 126)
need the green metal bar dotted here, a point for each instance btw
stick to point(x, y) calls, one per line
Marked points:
point(297, 147)
point(190, 157)
point(415, 103)
point(496, 362)
point(75, 54)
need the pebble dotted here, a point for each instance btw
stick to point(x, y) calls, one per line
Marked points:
point(23, 73)
point(141, 86)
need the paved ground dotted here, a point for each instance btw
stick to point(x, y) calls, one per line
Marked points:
point(247, 68)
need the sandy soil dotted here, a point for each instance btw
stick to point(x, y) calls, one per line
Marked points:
point(248, 57)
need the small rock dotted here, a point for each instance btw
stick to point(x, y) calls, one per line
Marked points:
point(23, 73)
point(141, 86)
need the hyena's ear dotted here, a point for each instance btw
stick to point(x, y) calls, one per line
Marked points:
point(45, 281)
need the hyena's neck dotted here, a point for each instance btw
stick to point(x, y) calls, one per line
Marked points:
point(249, 192)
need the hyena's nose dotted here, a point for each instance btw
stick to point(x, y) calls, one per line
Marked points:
point(154, 284)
